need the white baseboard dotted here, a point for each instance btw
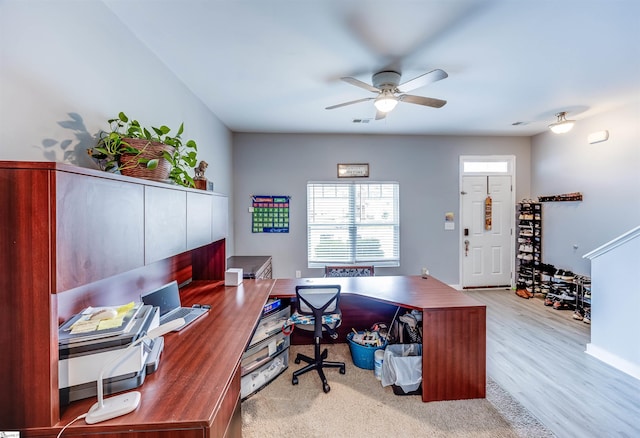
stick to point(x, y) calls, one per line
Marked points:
point(615, 361)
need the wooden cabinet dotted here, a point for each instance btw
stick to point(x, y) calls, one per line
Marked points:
point(69, 237)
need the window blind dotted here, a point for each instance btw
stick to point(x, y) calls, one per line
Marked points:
point(353, 223)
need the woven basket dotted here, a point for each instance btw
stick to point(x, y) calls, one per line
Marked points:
point(150, 150)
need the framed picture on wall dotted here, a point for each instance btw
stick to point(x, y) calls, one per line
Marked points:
point(353, 170)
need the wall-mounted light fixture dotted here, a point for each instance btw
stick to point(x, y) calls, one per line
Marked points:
point(597, 137)
point(563, 125)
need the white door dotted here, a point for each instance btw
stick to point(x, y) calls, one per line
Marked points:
point(486, 253)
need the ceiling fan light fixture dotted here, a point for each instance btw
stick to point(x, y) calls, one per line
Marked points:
point(385, 102)
point(562, 126)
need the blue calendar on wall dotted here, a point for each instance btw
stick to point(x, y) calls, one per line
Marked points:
point(270, 214)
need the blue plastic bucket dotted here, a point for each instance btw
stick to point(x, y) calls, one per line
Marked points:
point(363, 355)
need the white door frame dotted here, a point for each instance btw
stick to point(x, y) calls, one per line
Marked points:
point(511, 170)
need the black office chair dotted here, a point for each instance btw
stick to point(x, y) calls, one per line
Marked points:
point(318, 305)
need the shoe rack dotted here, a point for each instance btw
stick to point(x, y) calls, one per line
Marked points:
point(564, 290)
point(529, 248)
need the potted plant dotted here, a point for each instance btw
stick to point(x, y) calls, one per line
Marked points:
point(153, 153)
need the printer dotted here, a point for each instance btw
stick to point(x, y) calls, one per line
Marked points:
point(83, 356)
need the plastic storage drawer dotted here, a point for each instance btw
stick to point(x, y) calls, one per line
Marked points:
point(261, 353)
point(270, 325)
point(258, 379)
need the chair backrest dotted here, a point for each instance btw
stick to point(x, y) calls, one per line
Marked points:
point(317, 299)
point(348, 271)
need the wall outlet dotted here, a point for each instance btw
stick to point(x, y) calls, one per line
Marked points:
point(298, 274)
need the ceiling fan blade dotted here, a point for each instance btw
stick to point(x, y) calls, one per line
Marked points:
point(349, 103)
point(380, 115)
point(358, 83)
point(422, 80)
point(420, 100)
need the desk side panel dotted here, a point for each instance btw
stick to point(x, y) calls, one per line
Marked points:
point(28, 337)
point(454, 353)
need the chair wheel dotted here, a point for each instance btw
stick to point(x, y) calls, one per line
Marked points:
point(326, 388)
point(294, 380)
point(342, 370)
point(297, 360)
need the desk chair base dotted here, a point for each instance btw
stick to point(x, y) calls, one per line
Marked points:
point(317, 363)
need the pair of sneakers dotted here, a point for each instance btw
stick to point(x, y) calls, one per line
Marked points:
point(524, 293)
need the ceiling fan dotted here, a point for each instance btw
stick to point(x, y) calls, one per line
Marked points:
point(387, 85)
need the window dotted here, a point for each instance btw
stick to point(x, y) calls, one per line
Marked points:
point(353, 223)
point(485, 165)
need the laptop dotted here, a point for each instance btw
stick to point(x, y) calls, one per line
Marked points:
point(167, 298)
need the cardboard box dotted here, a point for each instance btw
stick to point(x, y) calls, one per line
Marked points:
point(233, 277)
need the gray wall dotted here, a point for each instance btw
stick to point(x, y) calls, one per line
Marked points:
point(607, 174)
point(425, 166)
point(67, 67)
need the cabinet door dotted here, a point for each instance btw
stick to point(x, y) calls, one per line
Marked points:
point(165, 219)
point(99, 229)
point(220, 217)
point(199, 214)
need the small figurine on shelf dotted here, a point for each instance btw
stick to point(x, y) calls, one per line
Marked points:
point(199, 179)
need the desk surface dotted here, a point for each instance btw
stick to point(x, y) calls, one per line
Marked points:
point(412, 292)
point(197, 368)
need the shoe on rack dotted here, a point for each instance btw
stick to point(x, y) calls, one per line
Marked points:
point(548, 301)
point(567, 276)
point(586, 320)
point(548, 269)
point(577, 316)
point(522, 293)
point(560, 305)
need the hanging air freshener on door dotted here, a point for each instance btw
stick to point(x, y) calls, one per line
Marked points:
point(487, 213)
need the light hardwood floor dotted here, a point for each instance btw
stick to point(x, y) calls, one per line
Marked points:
point(537, 354)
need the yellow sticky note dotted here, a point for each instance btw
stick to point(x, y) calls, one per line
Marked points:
point(110, 323)
point(125, 308)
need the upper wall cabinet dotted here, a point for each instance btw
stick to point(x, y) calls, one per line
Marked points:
point(98, 225)
point(220, 217)
point(165, 223)
point(199, 219)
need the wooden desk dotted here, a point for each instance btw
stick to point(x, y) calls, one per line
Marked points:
point(454, 328)
point(196, 390)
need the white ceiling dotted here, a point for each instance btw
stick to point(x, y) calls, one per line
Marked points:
point(274, 65)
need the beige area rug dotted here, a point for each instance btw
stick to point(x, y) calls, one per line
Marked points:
point(358, 406)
